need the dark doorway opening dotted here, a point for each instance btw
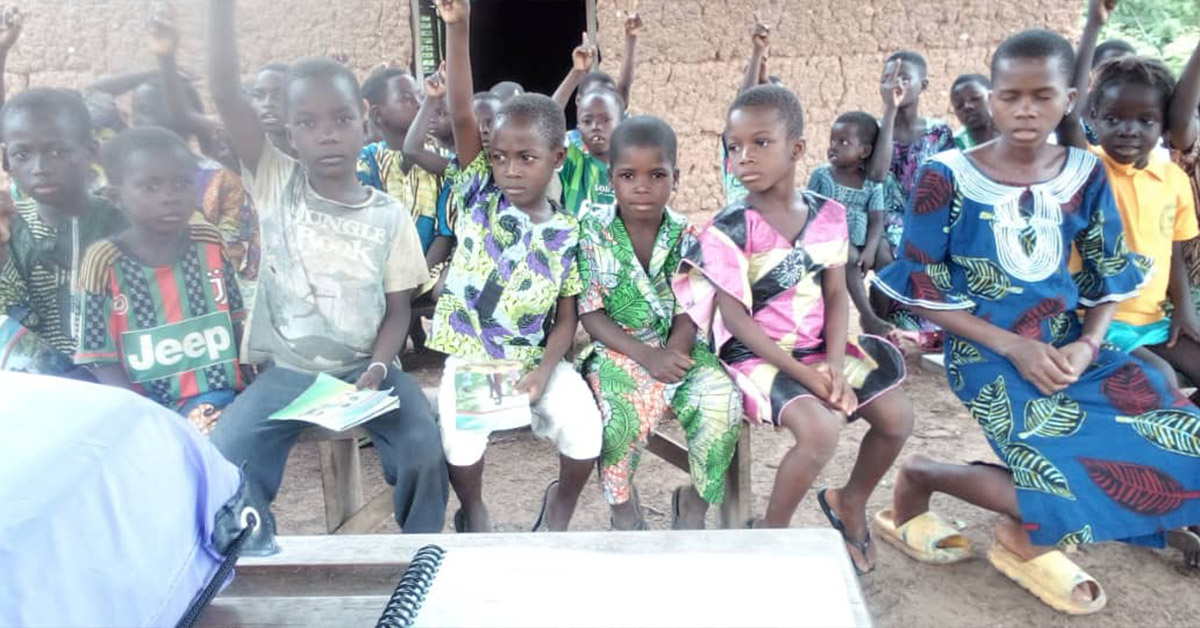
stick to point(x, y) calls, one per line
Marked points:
point(527, 41)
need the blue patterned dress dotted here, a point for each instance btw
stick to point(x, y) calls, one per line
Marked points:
point(1115, 456)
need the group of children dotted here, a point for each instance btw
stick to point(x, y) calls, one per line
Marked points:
point(1053, 271)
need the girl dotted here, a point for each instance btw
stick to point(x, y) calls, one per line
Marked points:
point(968, 97)
point(1095, 447)
point(511, 289)
point(644, 359)
point(768, 278)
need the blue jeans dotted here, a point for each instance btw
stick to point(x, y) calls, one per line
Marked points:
point(408, 440)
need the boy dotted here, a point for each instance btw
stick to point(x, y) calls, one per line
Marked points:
point(339, 265)
point(48, 151)
point(969, 98)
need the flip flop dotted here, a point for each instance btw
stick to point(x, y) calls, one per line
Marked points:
point(1187, 541)
point(926, 538)
point(676, 524)
point(837, 524)
point(1050, 577)
point(639, 525)
point(541, 518)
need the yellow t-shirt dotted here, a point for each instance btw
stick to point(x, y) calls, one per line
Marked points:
point(1157, 209)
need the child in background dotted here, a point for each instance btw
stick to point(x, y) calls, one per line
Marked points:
point(1078, 427)
point(582, 79)
point(768, 278)
point(843, 179)
point(266, 96)
point(1105, 51)
point(507, 90)
point(162, 312)
point(645, 358)
point(969, 98)
point(48, 152)
point(393, 99)
point(584, 174)
point(511, 289)
point(340, 261)
point(1184, 139)
point(755, 74)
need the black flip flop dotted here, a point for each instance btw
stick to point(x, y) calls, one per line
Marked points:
point(676, 495)
point(541, 518)
point(460, 521)
point(836, 523)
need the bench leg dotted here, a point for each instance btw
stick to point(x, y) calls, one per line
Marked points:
point(739, 494)
point(341, 481)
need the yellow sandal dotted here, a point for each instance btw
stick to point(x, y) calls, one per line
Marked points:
point(1050, 577)
point(926, 538)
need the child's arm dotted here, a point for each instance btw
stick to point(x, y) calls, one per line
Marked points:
point(393, 332)
point(761, 37)
point(11, 22)
point(439, 251)
point(875, 224)
point(581, 61)
point(1183, 321)
point(1070, 130)
point(558, 343)
point(121, 83)
point(1181, 117)
point(460, 90)
point(414, 142)
point(245, 130)
point(893, 92)
point(633, 26)
point(667, 365)
point(837, 324)
point(164, 45)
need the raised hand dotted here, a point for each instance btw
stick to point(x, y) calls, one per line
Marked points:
point(11, 21)
point(584, 55)
point(892, 89)
point(633, 21)
point(164, 33)
point(435, 84)
point(1100, 10)
point(454, 11)
point(761, 36)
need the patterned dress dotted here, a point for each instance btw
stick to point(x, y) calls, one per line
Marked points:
point(907, 159)
point(631, 401)
point(1189, 160)
point(859, 202)
point(779, 284)
point(1112, 457)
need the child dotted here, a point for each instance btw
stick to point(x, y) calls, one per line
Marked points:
point(843, 179)
point(582, 79)
point(1185, 142)
point(1095, 446)
point(512, 285)
point(340, 261)
point(161, 308)
point(48, 151)
point(768, 277)
point(393, 99)
point(645, 358)
point(1128, 105)
point(584, 173)
point(266, 96)
point(756, 74)
point(969, 98)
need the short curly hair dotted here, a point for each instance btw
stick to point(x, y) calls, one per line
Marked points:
point(1137, 72)
point(779, 99)
point(541, 111)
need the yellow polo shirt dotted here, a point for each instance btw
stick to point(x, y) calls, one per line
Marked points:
point(1157, 209)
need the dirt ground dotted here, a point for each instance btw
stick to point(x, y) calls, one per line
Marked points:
point(1145, 588)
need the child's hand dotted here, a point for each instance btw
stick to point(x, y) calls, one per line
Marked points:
point(668, 365)
point(761, 36)
point(583, 55)
point(1078, 354)
point(454, 11)
point(371, 378)
point(534, 383)
point(840, 394)
point(11, 22)
point(892, 89)
point(435, 84)
point(633, 21)
point(1042, 365)
point(1100, 10)
point(866, 259)
point(8, 211)
point(1184, 323)
point(164, 33)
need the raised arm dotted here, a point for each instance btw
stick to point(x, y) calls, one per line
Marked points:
point(245, 130)
point(121, 83)
point(164, 45)
point(633, 28)
point(1070, 131)
point(761, 37)
point(581, 61)
point(414, 142)
point(460, 88)
point(892, 91)
point(1181, 118)
point(11, 22)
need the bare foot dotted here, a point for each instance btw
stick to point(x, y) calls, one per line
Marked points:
point(477, 519)
point(1016, 540)
point(692, 509)
point(558, 514)
point(625, 516)
point(854, 517)
point(910, 497)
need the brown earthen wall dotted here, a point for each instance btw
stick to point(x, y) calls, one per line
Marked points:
point(691, 54)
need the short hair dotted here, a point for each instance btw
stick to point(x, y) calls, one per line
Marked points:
point(914, 58)
point(116, 153)
point(1134, 71)
point(644, 132)
point(500, 88)
point(1111, 47)
point(604, 93)
point(55, 102)
point(864, 124)
point(779, 99)
point(967, 79)
point(275, 66)
point(545, 115)
point(321, 67)
point(375, 88)
point(594, 77)
point(1036, 43)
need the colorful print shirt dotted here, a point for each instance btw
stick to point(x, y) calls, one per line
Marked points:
point(859, 202)
point(417, 189)
point(907, 160)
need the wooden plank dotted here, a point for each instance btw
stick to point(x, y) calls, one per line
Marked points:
point(738, 506)
point(341, 480)
point(666, 448)
point(294, 611)
point(369, 517)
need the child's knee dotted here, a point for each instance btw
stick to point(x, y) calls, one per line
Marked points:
point(814, 427)
point(892, 414)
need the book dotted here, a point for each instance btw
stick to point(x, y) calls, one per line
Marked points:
point(22, 351)
point(336, 405)
point(486, 396)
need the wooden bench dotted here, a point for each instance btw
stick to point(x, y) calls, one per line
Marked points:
point(738, 505)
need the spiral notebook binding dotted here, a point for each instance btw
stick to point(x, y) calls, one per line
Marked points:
point(402, 608)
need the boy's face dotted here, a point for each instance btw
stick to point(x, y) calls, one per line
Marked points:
point(763, 154)
point(970, 102)
point(48, 155)
point(1128, 120)
point(643, 180)
point(485, 115)
point(846, 148)
point(598, 115)
point(523, 161)
point(400, 106)
point(325, 125)
point(266, 96)
point(1029, 99)
point(442, 128)
point(910, 76)
point(158, 191)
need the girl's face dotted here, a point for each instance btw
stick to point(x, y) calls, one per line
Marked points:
point(522, 160)
point(157, 193)
point(1029, 99)
point(910, 76)
point(970, 102)
point(763, 154)
point(598, 114)
point(846, 148)
point(643, 180)
point(1128, 120)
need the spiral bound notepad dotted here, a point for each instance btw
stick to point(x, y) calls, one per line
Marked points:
point(404, 605)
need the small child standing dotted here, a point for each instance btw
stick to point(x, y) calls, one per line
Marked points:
point(768, 278)
point(844, 179)
point(969, 96)
point(645, 358)
point(162, 312)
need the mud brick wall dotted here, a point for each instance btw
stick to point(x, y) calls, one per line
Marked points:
point(691, 54)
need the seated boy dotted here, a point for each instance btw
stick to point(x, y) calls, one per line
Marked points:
point(339, 264)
